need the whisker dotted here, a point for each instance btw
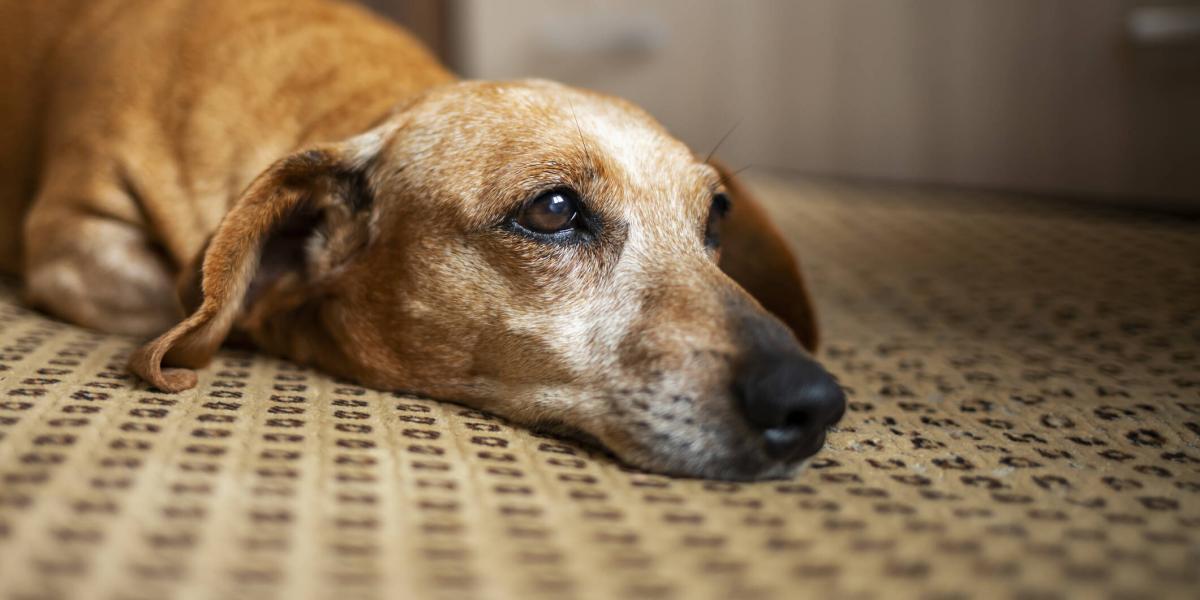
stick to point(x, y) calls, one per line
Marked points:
point(582, 140)
point(725, 178)
point(722, 140)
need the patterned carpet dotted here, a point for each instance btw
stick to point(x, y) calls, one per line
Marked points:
point(1024, 422)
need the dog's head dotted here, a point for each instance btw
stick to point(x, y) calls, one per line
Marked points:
point(548, 254)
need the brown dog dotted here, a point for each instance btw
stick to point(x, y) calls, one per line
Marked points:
point(309, 178)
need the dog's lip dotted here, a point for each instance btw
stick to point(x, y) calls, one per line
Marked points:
point(744, 462)
point(783, 467)
point(751, 465)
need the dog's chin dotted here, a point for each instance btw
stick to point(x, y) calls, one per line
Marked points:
point(724, 453)
point(715, 466)
point(727, 464)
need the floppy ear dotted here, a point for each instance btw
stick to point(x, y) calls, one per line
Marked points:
point(755, 254)
point(292, 228)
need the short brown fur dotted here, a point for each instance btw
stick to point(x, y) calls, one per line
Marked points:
point(311, 179)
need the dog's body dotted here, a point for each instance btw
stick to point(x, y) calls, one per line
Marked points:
point(139, 123)
point(311, 178)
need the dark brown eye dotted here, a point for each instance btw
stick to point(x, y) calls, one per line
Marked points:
point(717, 212)
point(552, 212)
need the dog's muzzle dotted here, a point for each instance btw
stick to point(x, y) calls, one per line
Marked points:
point(788, 400)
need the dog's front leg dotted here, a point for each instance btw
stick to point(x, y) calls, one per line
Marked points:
point(87, 262)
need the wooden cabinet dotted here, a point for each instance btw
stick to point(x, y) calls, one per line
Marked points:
point(1052, 96)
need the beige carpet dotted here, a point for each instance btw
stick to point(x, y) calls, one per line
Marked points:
point(1024, 422)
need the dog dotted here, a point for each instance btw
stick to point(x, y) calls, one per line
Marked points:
point(303, 176)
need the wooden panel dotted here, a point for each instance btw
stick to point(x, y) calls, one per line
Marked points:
point(429, 20)
point(1039, 95)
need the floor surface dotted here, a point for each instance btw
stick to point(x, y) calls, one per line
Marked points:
point(1024, 422)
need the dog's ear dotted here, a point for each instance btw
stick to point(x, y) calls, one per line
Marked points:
point(755, 254)
point(292, 229)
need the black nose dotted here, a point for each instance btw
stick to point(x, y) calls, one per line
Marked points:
point(789, 400)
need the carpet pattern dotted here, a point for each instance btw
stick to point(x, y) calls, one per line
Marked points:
point(1024, 421)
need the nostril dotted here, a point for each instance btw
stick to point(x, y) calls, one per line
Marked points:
point(789, 402)
point(781, 442)
point(796, 419)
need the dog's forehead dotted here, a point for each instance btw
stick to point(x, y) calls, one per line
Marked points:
point(617, 131)
point(485, 146)
point(550, 118)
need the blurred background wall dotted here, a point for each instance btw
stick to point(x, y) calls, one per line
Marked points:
point(1084, 98)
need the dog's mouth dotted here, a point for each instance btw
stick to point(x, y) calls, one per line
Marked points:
point(740, 456)
point(582, 438)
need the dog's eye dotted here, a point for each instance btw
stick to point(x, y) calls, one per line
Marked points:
point(552, 212)
point(717, 212)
